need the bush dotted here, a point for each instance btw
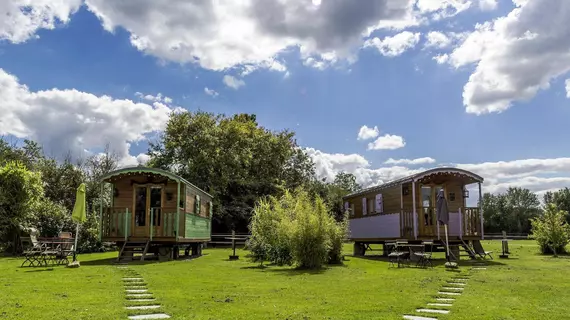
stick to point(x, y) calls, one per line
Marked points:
point(551, 230)
point(295, 230)
point(51, 218)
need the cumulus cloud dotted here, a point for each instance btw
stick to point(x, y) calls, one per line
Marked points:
point(387, 142)
point(567, 83)
point(423, 160)
point(211, 92)
point(516, 55)
point(21, 19)
point(366, 133)
point(440, 40)
point(395, 45)
point(69, 120)
point(440, 9)
point(233, 82)
point(488, 5)
point(222, 34)
point(158, 98)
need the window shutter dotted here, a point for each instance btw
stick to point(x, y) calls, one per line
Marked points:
point(211, 206)
point(379, 203)
point(197, 205)
point(346, 206)
point(363, 206)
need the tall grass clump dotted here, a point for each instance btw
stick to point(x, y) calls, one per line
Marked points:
point(295, 229)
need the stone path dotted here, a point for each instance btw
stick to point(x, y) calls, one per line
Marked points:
point(139, 300)
point(445, 297)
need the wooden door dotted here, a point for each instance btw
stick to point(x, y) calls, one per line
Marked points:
point(155, 199)
point(140, 221)
point(426, 208)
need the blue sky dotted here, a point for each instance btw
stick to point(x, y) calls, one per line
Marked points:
point(504, 129)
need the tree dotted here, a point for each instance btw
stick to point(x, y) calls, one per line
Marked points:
point(551, 230)
point(561, 199)
point(233, 158)
point(346, 181)
point(510, 211)
point(20, 193)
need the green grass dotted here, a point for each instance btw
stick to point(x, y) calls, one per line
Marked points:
point(90, 292)
point(526, 286)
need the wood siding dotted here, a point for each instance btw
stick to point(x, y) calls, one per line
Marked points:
point(377, 226)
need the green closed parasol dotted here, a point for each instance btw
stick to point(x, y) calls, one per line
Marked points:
point(79, 215)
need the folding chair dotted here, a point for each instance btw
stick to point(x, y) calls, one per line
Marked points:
point(424, 257)
point(398, 254)
point(478, 248)
point(66, 249)
point(34, 255)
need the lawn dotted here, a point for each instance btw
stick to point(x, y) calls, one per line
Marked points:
point(211, 287)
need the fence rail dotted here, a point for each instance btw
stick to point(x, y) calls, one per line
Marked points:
point(220, 239)
point(513, 236)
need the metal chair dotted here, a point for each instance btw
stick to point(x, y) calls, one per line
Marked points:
point(424, 257)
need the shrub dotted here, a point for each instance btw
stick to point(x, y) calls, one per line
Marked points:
point(551, 230)
point(295, 230)
point(51, 218)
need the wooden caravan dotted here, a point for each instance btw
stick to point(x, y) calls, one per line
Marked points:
point(406, 209)
point(154, 212)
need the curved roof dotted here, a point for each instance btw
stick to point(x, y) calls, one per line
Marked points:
point(157, 171)
point(418, 176)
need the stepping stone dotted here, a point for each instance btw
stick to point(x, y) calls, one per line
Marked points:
point(156, 306)
point(450, 293)
point(440, 304)
point(135, 287)
point(136, 290)
point(451, 288)
point(122, 267)
point(456, 284)
point(150, 316)
point(445, 299)
point(460, 279)
point(478, 268)
point(418, 318)
point(433, 311)
point(139, 295)
point(132, 279)
point(141, 300)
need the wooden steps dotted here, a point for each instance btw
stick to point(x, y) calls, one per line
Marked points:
point(134, 250)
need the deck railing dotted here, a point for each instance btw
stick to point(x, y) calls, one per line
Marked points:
point(471, 221)
point(407, 224)
point(162, 222)
point(116, 222)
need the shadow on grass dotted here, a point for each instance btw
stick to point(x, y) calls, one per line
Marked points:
point(39, 270)
point(113, 261)
point(434, 262)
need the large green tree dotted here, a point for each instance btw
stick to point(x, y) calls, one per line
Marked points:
point(233, 158)
point(561, 199)
point(510, 211)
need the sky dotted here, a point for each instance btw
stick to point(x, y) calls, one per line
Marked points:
point(378, 88)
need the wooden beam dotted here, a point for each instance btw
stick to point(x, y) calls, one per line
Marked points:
point(415, 220)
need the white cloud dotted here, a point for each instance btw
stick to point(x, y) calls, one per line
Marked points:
point(488, 5)
point(21, 19)
point(233, 82)
point(396, 45)
point(437, 39)
point(423, 160)
point(516, 55)
point(211, 92)
point(567, 83)
point(158, 98)
point(366, 133)
point(441, 9)
point(441, 58)
point(65, 121)
point(227, 33)
point(387, 142)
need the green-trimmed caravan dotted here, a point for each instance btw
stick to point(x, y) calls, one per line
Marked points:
point(154, 213)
